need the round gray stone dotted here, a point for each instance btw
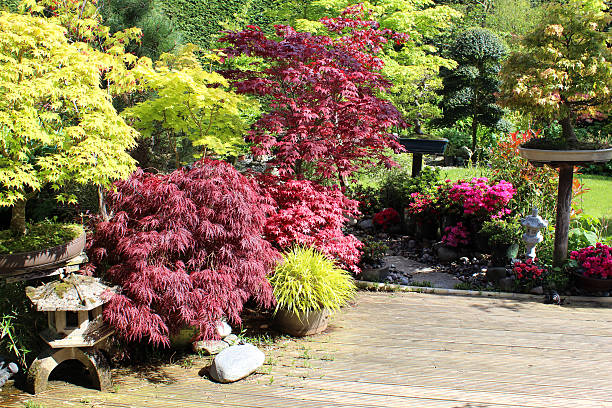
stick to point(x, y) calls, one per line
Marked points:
point(446, 254)
point(236, 362)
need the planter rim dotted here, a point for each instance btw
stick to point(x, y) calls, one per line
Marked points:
point(43, 258)
point(427, 146)
point(569, 156)
point(423, 140)
point(51, 249)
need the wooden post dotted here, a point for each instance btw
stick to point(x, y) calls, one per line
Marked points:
point(564, 206)
point(417, 163)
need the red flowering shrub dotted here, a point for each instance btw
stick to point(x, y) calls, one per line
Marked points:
point(422, 205)
point(186, 249)
point(527, 272)
point(386, 218)
point(311, 215)
point(594, 261)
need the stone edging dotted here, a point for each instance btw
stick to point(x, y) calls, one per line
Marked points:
point(389, 287)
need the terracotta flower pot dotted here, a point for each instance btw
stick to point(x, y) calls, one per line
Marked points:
point(303, 323)
point(591, 284)
point(42, 259)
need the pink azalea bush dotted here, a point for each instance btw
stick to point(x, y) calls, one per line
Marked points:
point(456, 235)
point(528, 274)
point(479, 197)
point(595, 261)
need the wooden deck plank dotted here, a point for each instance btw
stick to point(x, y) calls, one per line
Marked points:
point(399, 350)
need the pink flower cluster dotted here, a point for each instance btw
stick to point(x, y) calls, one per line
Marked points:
point(595, 260)
point(527, 270)
point(455, 236)
point(422, 204)
point(386, 217)
point(478, 197)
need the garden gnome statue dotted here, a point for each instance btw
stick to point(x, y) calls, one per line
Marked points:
point(533, 223)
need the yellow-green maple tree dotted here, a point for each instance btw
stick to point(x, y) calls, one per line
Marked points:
point(56, 122)
point(188, 101)
point(563, 69)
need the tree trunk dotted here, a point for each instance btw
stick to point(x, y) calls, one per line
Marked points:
point(564, 205)
point(417, 128)
point(102, 204)
point(474, 134)
point(18, 218)
point(417, 164)
point(568, 131)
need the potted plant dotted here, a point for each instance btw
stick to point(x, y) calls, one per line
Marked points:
point(58, 126)
point(308, 286)
point(592, 267)
point(502, 238)
point(563, 72)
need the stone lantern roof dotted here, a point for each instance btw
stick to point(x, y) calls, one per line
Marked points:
point(72, 293)
point(534, 220)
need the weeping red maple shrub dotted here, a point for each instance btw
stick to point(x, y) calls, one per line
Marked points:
point(309, 214)
point(186, 248)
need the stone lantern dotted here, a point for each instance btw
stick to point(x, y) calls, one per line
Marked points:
point(75, 329)
point(532, 236)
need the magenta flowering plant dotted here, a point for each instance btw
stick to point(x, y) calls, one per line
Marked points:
point(593, 261)
point(482, 199)
point(456, 235)
point(527, 272)
point(422, 205)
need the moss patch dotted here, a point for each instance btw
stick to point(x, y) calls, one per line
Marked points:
point(42, 235)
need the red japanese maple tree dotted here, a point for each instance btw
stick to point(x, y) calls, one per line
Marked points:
point(186, 249)
point(323, 92)
point(310, 214)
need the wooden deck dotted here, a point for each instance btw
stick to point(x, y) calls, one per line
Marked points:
point(399, 350)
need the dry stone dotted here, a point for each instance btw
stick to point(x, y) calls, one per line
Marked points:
point(236, 362)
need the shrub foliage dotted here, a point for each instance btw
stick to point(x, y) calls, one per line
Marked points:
point(186, 248)
point(324, 93)
point(309, 214)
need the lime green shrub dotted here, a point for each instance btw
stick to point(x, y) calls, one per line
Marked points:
point(307, 280)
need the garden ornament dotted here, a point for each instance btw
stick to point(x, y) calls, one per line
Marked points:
point(533, 223)
point(76, 330)
point(7, 371)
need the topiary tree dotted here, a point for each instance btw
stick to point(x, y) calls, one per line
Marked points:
point(469, 89)
point(56, 123)
point(564, 69)
point(186, 248)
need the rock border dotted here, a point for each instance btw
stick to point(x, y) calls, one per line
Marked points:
point(392, 287)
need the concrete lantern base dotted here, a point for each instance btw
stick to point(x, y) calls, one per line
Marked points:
point(93, 360)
